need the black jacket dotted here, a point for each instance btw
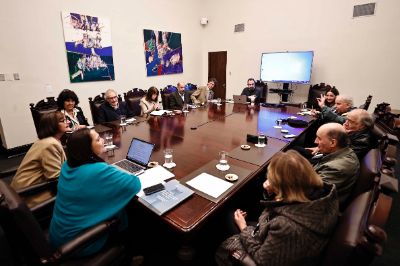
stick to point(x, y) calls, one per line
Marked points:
point(175, 100)
point(361, 142)
point(107, 113)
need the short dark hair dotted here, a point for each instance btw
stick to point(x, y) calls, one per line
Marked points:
point(79, 149)
point(251, 79)
point(213, 80)
point(333, 90)
point(48, 124)
point(152, 90)
point(64, 96)
point(341, 137)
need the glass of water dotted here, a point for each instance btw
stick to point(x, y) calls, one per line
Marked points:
point(123, 119)
point(168, 156)
point(261, 139)
point(223, 161)
point(108, 139)
point(304, 106)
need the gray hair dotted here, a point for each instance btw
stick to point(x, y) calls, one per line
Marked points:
point(345, 99)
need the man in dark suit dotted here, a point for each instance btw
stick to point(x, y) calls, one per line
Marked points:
point(111, 109)
point(179, 98)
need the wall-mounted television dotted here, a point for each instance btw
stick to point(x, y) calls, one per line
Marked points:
point(287, 67)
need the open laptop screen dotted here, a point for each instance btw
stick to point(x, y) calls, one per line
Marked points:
point(140, 151)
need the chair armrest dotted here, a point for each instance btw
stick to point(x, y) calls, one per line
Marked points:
point(86, 238)
point(43, 204)
point(51, 184)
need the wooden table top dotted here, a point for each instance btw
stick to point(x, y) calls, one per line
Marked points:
point(197, 137)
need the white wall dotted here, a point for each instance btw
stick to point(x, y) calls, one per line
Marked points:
point(32, 44)
point(359, 56)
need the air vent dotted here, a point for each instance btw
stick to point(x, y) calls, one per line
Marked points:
point(364, 10)
point(239, 27)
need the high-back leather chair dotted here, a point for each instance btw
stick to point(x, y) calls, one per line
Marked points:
point(165, 93)
point(315, 92)
point(95, 105)
point(367, 103)
point(43, 106)
point(190, 87)
point(263, 87)
point(132, 98)
point(31, 245)
point(369, 175)
point(359, 236)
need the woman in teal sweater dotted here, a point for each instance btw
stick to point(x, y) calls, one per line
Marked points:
point(90, 191)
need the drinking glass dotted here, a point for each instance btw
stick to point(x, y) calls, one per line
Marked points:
point(223, 161)
point(168, 156)
point(108, 139)
point(219, 101)
point(123, 119)
point(279, 122)
point(185, 108)
point(261, 139)
point(304, 106)
point(252, 99)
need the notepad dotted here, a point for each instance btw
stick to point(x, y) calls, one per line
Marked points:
point(209, 184)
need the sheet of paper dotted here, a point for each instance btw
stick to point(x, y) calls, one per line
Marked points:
point(154, 176)
point(160, 112)
point(209, 184)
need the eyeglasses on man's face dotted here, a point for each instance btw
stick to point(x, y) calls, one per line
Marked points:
point(112, 98)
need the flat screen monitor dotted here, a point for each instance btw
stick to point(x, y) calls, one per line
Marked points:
point(287, 67)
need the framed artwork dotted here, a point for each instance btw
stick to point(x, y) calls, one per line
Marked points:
point(163, 52)
point(89, 48)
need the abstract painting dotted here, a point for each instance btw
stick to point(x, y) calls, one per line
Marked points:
point(89, 48)
point(163, 52)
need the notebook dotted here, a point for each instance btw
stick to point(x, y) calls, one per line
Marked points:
point(138, 157)
point(240, 99)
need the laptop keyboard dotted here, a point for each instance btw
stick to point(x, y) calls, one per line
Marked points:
point(129, 166)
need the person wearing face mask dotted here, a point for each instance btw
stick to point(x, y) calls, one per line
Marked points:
point(179, 98)
point(111, 109)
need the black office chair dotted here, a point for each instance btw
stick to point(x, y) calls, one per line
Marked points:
point(29, 242)
point(132, 98)
point(43, 106)
point(95, 105)
point(165, 93)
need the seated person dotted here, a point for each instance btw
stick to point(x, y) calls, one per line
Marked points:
point(203, 93)
point(180, 97)
point(338, 113)
point(67, 103)
point(330, 97)
point(111, 109)
point(90, 191)
point(44, 159)
point(339, 164)
point(300, 214)
point(149, 103)
point(251, 90)
point(358, 127)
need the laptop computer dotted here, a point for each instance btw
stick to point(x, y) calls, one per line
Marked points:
point(242, 99)
point(138, 157)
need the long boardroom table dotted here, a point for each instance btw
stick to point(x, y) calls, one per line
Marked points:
point(197, 137)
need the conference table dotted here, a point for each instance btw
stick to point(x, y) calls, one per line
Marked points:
point(197, 137)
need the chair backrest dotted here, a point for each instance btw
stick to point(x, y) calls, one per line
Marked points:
point(21, 226)
point(190, 87)
point(132, 98)
point(43, 106)
point(370, 167)
point(315, 92)
point(165, 94)
point(367, 103)
point(356, 240)
point(263, 87)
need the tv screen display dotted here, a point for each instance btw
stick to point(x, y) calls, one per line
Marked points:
point(287, 67)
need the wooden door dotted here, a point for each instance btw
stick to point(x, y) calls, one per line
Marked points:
point(217, 69)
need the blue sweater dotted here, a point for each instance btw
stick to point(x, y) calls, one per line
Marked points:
point(87, 195)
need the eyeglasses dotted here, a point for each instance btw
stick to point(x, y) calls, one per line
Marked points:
point(112, 98)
